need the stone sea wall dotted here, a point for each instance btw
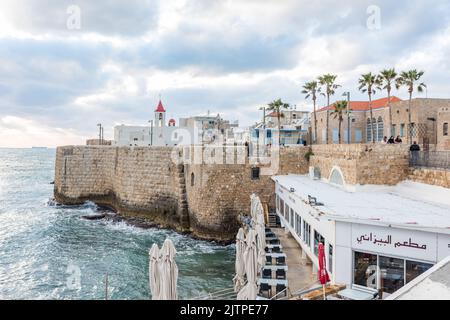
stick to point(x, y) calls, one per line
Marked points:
point(131, 180)
point(204, 199)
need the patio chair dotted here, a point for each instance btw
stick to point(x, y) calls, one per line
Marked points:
point(267, 274)
point(280, 274)
point(280, 261)
point(264, 287)
point(275, 241)
point(276, 249)
point(280, 287)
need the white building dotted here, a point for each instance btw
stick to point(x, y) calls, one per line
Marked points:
point(192, 130)
point(376, 237)
point(157, 133)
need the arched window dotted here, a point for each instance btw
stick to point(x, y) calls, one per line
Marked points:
point(445, 129)
point(192, 179)
point(336, 177)
point(380, 129)
point(369, 130)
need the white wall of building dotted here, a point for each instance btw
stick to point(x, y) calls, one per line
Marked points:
point(409, 244)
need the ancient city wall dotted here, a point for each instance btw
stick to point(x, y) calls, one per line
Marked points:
point(205, 199)
point(217, 194)
point(363, 163)
point(131, 180)
point(437, 177)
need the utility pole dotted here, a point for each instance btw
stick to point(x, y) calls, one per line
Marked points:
point(99, 133)
point(264, 116)
point(151, 132)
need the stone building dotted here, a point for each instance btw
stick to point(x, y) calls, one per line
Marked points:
point(428, 118)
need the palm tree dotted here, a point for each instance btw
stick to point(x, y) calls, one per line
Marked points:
point(409, 80)
point(277, 106)
point(311, 89)
point(328, 81)
point(386, 79)
point(367, 84)
point(340, 107)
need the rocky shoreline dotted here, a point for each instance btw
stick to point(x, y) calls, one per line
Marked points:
point(108, 212)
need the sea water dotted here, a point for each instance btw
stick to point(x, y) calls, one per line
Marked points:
point(49, 251)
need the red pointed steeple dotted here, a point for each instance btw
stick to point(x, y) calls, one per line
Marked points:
point(160, 107)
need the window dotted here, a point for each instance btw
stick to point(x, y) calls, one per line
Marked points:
point(445, 129)
point(269, 133)
point(402, 130)
point(291, 218)
point(330, 258)
point(335, 136)
point(298, 225)
point(412, 130)
point(286, 212)
point(277, 203)
point(294, 116)
point(255, 173)
point(358, 136)
point(394, 130)
point(317, 239)
point(365, 270)
point(414, 268)
point(380, 129)
point(391, 274)
point(282, 207)
point(306, 233)
point(192, 179)
point(369, 130)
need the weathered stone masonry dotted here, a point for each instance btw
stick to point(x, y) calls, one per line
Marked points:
point(204, 199)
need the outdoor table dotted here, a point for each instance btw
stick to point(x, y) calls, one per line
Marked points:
point(271, 246)
point(276, 267)
point(275, 254)
point(273, 282)
point(355, 294)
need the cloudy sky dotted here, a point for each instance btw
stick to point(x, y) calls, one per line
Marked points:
point(60, 75)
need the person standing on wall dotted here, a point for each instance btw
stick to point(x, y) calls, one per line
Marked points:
point(414, 149)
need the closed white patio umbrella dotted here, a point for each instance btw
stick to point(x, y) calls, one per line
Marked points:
point(238, 279)
point(169, 271)
point(261, 240)
point(249, 291)
point(154, 271)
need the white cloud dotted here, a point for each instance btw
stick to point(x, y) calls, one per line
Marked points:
point(224, 56)
point(24, 133)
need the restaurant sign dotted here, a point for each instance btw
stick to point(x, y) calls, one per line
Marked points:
point(394, 241)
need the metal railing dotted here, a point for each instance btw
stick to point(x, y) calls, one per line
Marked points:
point(225, 294)
point(430, 159)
